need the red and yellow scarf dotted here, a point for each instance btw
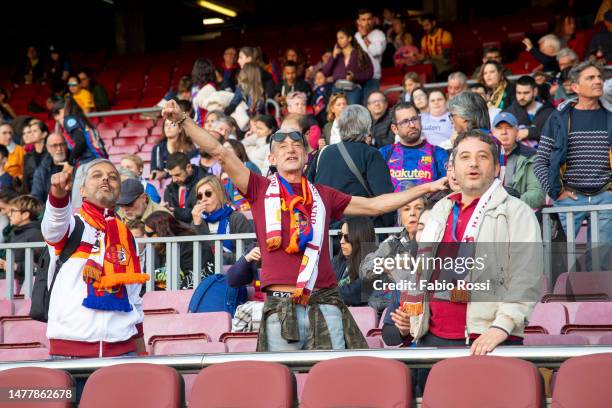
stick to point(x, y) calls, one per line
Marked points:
point(120, 264)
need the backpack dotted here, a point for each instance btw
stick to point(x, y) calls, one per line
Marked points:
point(41, 293)
point(213, 294)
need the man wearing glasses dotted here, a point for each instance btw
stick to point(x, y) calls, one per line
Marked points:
point(52, 163)
point(303, 308)
point(412, 160)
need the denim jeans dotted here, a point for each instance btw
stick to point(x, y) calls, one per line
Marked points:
point(370, 86)
point(333, 319)
point(604, 218)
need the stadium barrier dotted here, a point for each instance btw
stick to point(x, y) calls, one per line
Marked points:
point(173, 250)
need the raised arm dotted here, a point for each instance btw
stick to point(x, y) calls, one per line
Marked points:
point(231, 164)
point(385, 203)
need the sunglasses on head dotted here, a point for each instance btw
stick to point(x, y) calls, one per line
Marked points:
point(280, 136)
point(207, 194)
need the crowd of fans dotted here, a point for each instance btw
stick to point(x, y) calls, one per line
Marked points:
point(187, 191)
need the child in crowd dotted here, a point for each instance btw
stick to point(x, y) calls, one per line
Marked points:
point(411, 81)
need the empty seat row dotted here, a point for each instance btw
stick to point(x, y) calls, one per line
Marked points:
point(477, 381)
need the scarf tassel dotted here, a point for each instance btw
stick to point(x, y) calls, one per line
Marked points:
point(273, 243)
point(301, 297)
point(110, 281)
point(91, 273)
point(107, 303)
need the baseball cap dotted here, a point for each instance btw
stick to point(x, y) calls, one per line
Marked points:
point(131, 189)
point(505, 117)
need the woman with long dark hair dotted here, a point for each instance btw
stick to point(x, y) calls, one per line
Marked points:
point(500, 91)
point(357, 239)
point(204, 80)
point(163, 224)
point(350, 63)
point(174, 139)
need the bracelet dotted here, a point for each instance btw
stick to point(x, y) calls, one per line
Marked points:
point(181, 120)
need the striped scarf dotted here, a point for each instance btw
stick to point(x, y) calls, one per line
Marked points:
point(107, 273)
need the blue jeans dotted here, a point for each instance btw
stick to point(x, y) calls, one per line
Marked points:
point(370, 86)
point(333, 319)
point(604, 218)
point(353, 97)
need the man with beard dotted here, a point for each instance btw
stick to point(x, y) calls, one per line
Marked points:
point(95, 305)
point(53, 162)
point(412, 160)
point(529, 113)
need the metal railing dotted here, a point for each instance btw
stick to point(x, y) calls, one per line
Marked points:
point(414, 357)
point(570, 233)
point(442, 85)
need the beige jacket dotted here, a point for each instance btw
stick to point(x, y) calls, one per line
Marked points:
point(510, 243)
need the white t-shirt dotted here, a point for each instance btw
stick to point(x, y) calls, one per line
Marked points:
point(378, 43)
point(436, 129)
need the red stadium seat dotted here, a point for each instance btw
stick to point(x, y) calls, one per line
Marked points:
point(133, 385)
point(36, 378)
point(107, 134)
point(365, 317)
point(358, 382)
point(118, 150)
point(166, 301)
point(240, 342)
point(213, 324)
point(140, 123)
point(6, 307)
point(262, 385)
point(537, 339)
point(21, 329)
point(129, 141)
point(116, 118)
point(581, 283)
point(547, 318)
point(134, 131)
point(584, 382)
point(16, 287)
point(593, 320)
point(21, 307)
point(155, 92)
point(162, 346)
point(483, 381)
point(156, 131)
point(23, 352)
point(147, 148)
point(116, 126)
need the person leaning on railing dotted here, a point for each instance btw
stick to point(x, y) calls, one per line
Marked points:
point(292, 233)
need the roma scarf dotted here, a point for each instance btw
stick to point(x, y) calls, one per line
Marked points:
point(307, 229)
point(114, 264)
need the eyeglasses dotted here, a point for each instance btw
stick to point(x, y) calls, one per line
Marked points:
point(56, 146)
point(73, 83)
point(207, 194)
point(409, 121)
point(343, 235)
point(149, 233)
point(295, 136)
point(381, 101)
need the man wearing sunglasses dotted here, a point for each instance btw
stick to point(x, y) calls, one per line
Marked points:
point(292, 217)
point(412, 160)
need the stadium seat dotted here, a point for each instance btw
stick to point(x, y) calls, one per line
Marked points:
point(147, 147)
point(133, 385)
point(212, 324)
point(23, 352)
point(547, 318)
point(16, 288)
point(479, 381)
point(21, 307)
point(121, 150)
point(116, 126)
point(140, 123)
point(584, 382)
point(21, 329)
point(129, 141)
point(592, 320)
point(6, 307)
point(36, 378)
point(132, 131)
point(240, 341)
point(582, 283)
point(116, 118)
point(358, 382)
point(256, 384)
point(161, 346)
point(166, 301)
point(537, 339)
point(365, 317)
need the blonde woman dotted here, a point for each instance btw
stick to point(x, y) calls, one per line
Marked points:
point(249, 90)
point(337, 103)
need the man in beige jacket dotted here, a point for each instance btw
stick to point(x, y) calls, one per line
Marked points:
point(502, 234)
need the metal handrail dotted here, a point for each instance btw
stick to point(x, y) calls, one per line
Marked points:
point(124, 112)
point(414, 357)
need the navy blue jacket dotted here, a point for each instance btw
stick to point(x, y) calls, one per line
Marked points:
point(557, 127)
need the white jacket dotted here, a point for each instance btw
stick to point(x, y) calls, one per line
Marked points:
point(509, 240)
point(70, 324)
